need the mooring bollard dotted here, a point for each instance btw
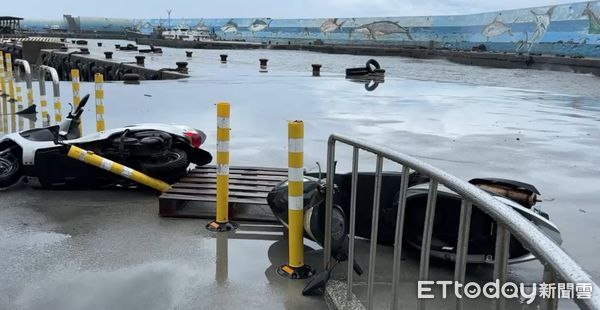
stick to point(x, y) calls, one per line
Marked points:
point(316, 70)
point(188, 54)
point(223, 58)
point(2, 76)
point(117, 46)
point(99, 44)
point(296, 269)
point(108, 55)
point(222, 222)
point(139, 60)
point(263, 64)
point(182, 66)
point(99, 81)
point(9, 76)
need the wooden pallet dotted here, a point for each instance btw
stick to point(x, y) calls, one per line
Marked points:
point(195, 195)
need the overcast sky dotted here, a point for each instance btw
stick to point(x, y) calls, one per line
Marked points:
point(258, 8)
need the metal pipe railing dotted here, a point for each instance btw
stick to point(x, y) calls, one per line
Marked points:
point(352, 228)
point(27, 69)
point(55, 90)
point(462, 246)
point(557, 263)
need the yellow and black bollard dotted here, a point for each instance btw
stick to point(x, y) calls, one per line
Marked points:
point(57, 109)
point(116, 168)
point(2, 75)
point(99, 81)
point(20, 124)
point(75, 87)
point(296, 269)
point(222, 222)
point(4, 114)
point(9, 77)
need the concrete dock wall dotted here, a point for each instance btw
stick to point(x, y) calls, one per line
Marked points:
point(63, 62)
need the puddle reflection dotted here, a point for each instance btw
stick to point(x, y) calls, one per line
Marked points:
point(370, 82)
point(222, 262)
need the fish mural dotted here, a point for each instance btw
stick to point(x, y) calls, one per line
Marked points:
point(259, 25)
point(542, 22)
point(522, 43)
point(230, 26)
point(496, 28)
point(200, 26)
point(550, 29)
point(382, 28)
point(306, 32)
point(593, 19)
point(331, 25)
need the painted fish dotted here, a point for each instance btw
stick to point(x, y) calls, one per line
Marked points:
point(230, 26)
point(384, 27)
point(331, 25)
point(593, 18)
point(496, 28)
point(522, 43)
point(542, 22)
point(259, 25)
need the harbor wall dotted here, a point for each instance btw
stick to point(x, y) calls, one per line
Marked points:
point(567, 29)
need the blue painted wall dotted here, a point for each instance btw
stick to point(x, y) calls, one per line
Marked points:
point(571, 29)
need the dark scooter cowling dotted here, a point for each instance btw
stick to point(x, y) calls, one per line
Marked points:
point(520, 196)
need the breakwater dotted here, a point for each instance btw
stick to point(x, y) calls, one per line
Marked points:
point(64, 61)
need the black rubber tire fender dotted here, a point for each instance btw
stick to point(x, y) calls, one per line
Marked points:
point(372, 63)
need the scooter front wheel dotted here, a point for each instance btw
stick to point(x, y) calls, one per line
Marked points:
point(10, 171)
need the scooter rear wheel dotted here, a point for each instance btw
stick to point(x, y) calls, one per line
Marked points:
point(169, 168)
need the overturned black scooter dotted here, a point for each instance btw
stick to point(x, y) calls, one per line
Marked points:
point(39, 156)
point(520, 196)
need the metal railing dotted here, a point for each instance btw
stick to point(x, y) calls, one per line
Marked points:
point(557, 263)
point(55, 91)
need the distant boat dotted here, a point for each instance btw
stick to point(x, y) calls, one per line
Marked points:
point(186, 33)
point(132, 34)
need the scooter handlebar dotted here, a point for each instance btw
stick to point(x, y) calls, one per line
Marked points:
point(82, 103)
point(79, 110)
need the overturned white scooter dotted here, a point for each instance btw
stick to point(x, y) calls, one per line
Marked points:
point(39, 156)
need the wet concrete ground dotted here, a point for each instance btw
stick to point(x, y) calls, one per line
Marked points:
point(110, 250)
point(534, 126)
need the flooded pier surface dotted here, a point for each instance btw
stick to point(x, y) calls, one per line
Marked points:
point(538, 127)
